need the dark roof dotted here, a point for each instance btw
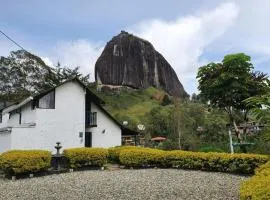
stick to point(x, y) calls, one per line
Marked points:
point(2, 107)
point(127, 131)
point(94, 97)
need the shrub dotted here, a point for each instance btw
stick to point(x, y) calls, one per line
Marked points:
point(141, 157)
point(222, 162)
point(211, 149)
point(80, 157)
point(168, 144)
point(24, 161)
point(258, 186)
point(115, 151)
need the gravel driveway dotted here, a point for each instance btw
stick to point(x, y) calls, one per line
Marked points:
point(165, 184)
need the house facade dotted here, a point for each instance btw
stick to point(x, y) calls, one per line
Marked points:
point(69, 113)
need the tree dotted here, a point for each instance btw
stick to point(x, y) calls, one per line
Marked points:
point(260, 105)
point(23, 74)
point(226, 85)
point(157, 122)
point(184, 119)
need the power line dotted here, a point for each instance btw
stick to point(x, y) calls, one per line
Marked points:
point(12, 40)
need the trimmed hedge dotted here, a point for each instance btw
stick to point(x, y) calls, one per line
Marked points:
point(141, 157)
point(258, 186)
point(80, 157)
point(115, 151)
point(221, 162)
point(16, 162)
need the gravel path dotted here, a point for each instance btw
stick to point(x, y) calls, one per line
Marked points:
point(165, 184)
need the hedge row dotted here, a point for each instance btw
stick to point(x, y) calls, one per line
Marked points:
point(115, 151)
point(29, 161)
point(81, 157)
point(24, 161)
point(258, 186)
point(17, 162)
point(222, 162)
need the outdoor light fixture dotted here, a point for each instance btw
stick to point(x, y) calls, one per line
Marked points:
point(103, 131)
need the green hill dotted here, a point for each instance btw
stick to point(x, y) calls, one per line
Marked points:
point(132, 105)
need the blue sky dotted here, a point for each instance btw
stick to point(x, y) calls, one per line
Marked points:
point(188, 33)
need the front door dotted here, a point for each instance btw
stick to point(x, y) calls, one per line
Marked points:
point(88, 139)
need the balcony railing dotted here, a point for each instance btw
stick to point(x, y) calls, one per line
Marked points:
point(90, 119)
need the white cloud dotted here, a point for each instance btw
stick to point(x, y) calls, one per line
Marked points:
point(82, 53)
point(183, 41)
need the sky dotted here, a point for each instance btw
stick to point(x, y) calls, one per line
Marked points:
point(188, 33)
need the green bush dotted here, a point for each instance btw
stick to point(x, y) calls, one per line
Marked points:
point(222, 162)
point(168, 144)
point(258, 186)
point(211, 149)
point(140, 157)
point(80, 157)
point(115, 151)
point(24, 161)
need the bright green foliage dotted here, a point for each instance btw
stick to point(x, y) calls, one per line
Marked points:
point(222, 162)
point(131, 105)
point(261, 105)
point(24, 161)
point(226, 85)
point(144, 107)
point(261, 111)
point(258, 186)
point(80, 157)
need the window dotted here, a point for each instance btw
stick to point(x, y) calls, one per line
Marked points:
point(1, 116)
point(91, 119)
point(47, 101)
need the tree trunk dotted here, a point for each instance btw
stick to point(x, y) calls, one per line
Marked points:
point(179, 135)
point(237, 132)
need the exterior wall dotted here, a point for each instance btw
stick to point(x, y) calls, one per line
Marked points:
point(28, 114)
point(5, 141)
point(13, 120)
point(61, 124)
point(4, 120)
point(112, 135)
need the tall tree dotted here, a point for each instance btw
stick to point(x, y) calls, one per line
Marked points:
point(23, 74)
point(227, 84)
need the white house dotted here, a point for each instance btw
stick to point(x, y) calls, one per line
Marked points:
point(69, 113)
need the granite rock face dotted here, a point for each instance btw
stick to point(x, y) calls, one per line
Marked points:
point(130, 61)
